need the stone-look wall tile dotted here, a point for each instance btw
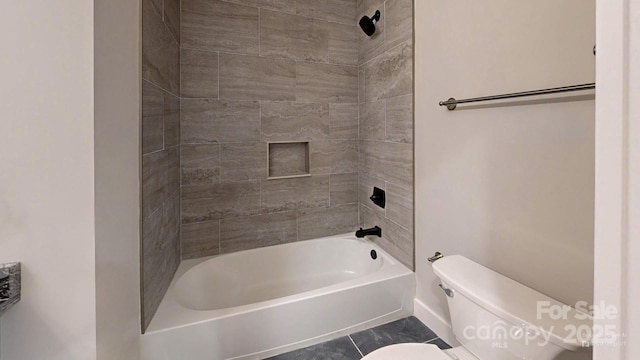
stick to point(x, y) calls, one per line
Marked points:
point(340, 45)
point(172, 225)
point(361, 84)
point(326, 83)
point(255, 78)
point(344, 189)
point(198, 74)
point(214, 121)
point(316, 9)
point(224, 130)
point(216, 201)
point(386, 154)
point(400, 119)
point(390, 161)
point(371, 46)
point(156, 5)
point(293, 37)
point(153, 263)
point(287, 121)
point(152, 118)
point(161, 151)
point(399, 207)
point(257, 231)
point(160, 52)
point(317, 223)
point(200, 164)
point(372, 120)
point(390, 74)
point(200, 239)
point(365, 189)
point(333, 156)
point(243, 161)
point(160, 255)
point(220, 26)
point(343, 123)
point(173, 171)
point(154, 181)
point(288, 6)
point(396, 240)
point(397, 237)
point(288, 159)
point(398, 22)
point(253, 3)
point(171, 120)
point(342, 11)
point(296, 193)
point(172, 17)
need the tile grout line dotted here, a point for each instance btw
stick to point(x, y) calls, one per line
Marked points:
point(435, 338)
point(356, 346)
point(294, 13)
point(330, 204)
point(181, 249)
point(384, 32)
point(366, 62)
point(360, 101)
point(220, 149)
point(161, 88)
point(297, 225)
point(281, 58)
point(155, 151)
point(259, 31)
point(432, 340)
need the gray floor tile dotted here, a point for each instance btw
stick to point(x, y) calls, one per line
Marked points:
point(338, 349)
point(440, 343)
point(407, 330)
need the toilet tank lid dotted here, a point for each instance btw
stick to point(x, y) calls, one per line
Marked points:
point(515, 303)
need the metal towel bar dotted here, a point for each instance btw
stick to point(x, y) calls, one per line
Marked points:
point(452, 103)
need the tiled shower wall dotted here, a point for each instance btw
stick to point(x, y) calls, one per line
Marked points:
point(260, 71)
point(386, 124)
point(160, 150)
point(252, 72)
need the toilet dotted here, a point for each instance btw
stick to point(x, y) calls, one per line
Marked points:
point(496, 318)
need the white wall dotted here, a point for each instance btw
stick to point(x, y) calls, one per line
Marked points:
point(633, 182)
point(80, 275)
point(509, 187)
point(617, 217)
point(47, 178)
point(117, 169)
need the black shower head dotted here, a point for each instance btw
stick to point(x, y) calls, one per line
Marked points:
point(368, 24)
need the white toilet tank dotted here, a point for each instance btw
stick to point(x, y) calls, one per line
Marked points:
point(496, 318)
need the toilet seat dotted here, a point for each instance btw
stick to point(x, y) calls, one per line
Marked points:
point(408, 352)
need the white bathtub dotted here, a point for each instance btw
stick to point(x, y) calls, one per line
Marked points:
point(258, 303)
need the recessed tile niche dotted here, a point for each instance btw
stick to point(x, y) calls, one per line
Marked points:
point(288, 159)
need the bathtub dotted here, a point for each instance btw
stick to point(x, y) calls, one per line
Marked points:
point(259, 303)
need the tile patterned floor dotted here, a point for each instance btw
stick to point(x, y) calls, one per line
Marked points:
point(355, 346)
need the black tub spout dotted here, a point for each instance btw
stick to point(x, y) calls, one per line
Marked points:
point(375, 231)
